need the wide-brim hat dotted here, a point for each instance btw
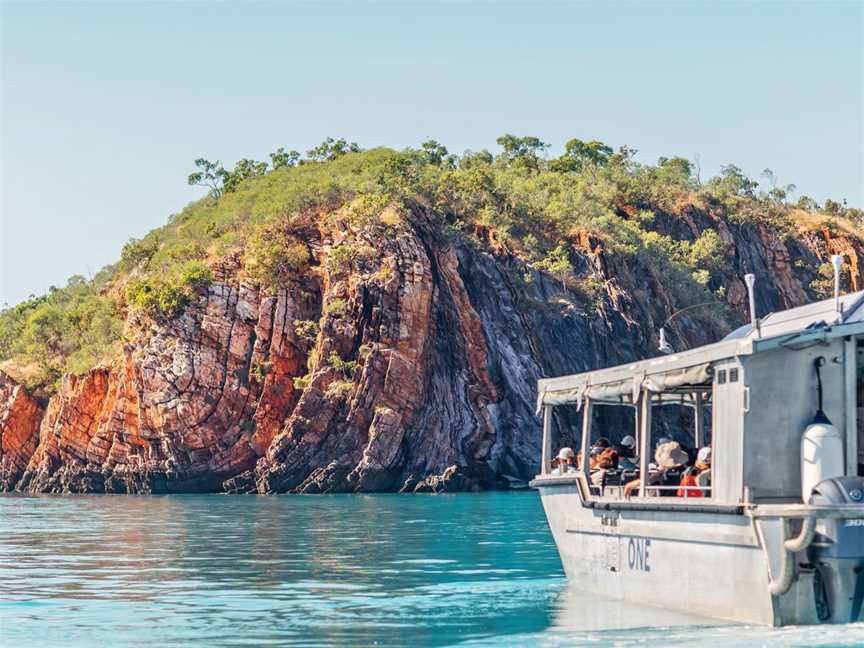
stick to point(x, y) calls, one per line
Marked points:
point(670, 454)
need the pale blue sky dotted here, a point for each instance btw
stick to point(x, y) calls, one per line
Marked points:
point(104, 106)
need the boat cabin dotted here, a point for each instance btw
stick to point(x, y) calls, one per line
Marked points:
point(749, 398)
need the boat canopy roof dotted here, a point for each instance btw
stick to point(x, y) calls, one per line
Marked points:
point(821, 313)
point(678, 373)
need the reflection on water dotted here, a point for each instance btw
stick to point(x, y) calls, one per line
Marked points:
point(318, 570)
point(582, 620)
point(577, 611)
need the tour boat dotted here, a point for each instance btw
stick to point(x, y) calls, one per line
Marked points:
point(775, 533)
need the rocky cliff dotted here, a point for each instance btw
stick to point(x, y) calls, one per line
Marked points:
point(415, 370)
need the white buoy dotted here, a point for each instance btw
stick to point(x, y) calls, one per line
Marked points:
point(822, 454)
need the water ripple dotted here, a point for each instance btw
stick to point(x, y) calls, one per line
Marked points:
point(379, 570)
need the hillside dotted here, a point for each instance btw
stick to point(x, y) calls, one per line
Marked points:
point(376, 320)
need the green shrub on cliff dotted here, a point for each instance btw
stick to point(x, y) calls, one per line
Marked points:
point(12, 323)
point(340, 258)
point(709, 252)
point(336, 306)
point(302, 382)
point(823, 284)
point(557, 263)
point(164, 297)
point(274, 255)
point(370, 209)
point(155, 298)
point(306, 329)
point(136, 252)
point(346, 367)
point(68, 330)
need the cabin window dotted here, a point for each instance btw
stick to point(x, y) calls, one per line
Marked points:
point(679, 461)
point(567, 426)
point(612, 448)
point(611, 424)
point(619, 444)
point(721, 377)
point(733, 375)
point(679, 426)
point(566, 437)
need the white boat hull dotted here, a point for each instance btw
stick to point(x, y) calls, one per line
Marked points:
point(706, 563)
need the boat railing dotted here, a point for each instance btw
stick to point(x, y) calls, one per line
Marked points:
point(703, 490)
point(802, 511)
point(616, 491)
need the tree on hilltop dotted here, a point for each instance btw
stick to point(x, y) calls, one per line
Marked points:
point(778, 194)
point(733, 181)
point(331, 149)
point(579, 155)
point(209, 174)
point(433, 152)
point(522, 152)
point(280, 158)
point(243, 170)
point(220, 181)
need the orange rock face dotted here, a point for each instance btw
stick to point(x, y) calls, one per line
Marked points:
point(19, 426)
point(409, 367)
point(182, 410)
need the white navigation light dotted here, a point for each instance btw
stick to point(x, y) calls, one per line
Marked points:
point(750, 280)
point(837, 262)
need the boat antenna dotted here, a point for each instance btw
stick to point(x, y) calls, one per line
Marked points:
point(837, 262)
point(750, 280)
point(664, 345)
point(820, 417)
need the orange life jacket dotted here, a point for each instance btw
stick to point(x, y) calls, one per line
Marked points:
point(689, 479)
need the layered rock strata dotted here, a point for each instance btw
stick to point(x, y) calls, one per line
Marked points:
point(409, 367)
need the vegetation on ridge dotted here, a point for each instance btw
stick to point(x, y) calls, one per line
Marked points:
point(517, 200)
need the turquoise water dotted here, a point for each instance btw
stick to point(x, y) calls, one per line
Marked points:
point(348, 570)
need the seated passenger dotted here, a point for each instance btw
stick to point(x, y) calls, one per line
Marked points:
point(703, 459)
point(600, 444)
point(627, 448)
point(606, 460)
point(697, 475)
point(565, 462)
point(703, 464)
point(626, 463)
point(661, 442)
point(669, 458)
point(596, 448)
point(627, 457)
point(672, 460)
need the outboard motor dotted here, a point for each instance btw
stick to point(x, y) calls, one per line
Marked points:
point(837, 553)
